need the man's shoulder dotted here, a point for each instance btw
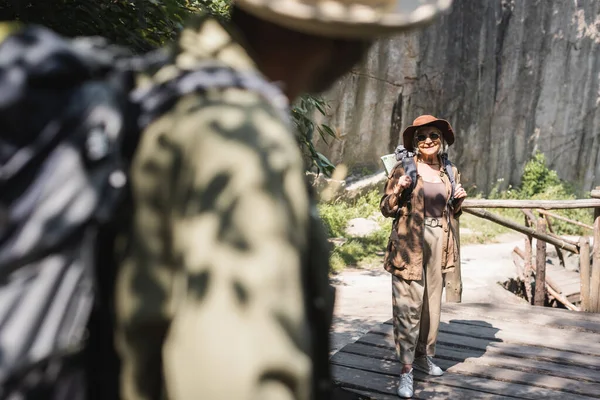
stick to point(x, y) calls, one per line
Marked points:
point(214, 126)
point(234, 113)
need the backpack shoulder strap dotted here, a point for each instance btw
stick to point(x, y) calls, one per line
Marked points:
point(410, 168)
point(450, 173)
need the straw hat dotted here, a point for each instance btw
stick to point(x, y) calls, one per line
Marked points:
point(352, 19)
point(427, 120)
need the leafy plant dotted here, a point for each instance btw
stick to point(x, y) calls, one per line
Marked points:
point(303, 117)
point(140, 25)
point(539, 182)
point(537, 177)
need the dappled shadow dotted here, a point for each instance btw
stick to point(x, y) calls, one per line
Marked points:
point(463, 340)
point(488, 351)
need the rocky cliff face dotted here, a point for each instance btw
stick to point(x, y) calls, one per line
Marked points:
point(512, 77)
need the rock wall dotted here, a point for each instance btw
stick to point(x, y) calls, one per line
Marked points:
point(512, 77)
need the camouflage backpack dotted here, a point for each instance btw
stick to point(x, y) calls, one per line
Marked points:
point(70, 118)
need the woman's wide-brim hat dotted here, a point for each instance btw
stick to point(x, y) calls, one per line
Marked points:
point(352, 19)
point(444, 126)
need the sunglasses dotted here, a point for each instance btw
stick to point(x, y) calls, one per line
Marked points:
point(422, 136)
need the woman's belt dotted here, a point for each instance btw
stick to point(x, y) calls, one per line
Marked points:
point(433, 222)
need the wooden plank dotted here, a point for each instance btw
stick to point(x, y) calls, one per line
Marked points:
point(526, 378)
point(564, 278)
point(509, 332)
point(376, 385)
point(543, 204)
point(346, 393)
point(569, 289)
point(540, 266)
point(571, 282)
point(483, 358)
point(459, 341)
point(533, 335)
point(550, 317)
point(476, 379)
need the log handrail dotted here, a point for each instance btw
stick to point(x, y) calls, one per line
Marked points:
point(590, 292)
point(532, 204)
point(561, 243)
point(560, 217)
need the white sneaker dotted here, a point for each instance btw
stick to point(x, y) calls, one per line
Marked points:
point(405, 387)
point(425, 364)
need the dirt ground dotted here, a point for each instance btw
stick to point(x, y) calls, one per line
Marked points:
point(363, 297)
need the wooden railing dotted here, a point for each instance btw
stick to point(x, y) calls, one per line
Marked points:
point(541, 229)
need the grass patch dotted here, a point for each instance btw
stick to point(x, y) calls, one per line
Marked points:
point(361, 252)
point(480, 231)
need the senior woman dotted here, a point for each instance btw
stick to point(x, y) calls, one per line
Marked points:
point(422, 245)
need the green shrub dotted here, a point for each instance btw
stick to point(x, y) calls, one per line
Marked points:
point(538, 178)
point(336, 263)
point(541, 183)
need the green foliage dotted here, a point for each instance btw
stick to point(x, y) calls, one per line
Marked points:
point(138, 24)
point(302, 115)
point(336, 262)
point(218, 8)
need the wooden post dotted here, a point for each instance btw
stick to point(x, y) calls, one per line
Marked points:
point(584, 272)
point(595, 278)
point(540, 260)
point(454, 278)
point(528, 263)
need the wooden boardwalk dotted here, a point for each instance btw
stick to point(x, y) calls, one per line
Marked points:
point(490, 352)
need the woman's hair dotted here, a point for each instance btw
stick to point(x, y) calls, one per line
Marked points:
point(443, 148)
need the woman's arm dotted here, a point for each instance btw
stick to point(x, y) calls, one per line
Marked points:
point(459, 193)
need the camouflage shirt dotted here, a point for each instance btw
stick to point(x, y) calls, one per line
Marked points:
point(211, 297)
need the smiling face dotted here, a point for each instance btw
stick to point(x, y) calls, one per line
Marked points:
point(429, 141)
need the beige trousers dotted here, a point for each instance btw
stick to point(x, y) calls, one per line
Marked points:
point(417, 304)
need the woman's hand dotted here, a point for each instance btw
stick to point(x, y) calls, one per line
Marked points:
point(459, 192)
point(403, 183)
